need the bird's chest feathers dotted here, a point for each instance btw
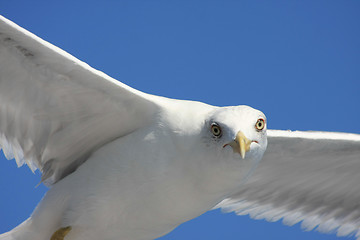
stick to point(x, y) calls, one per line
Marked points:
point(152, 187)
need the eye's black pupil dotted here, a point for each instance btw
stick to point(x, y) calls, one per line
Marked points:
point(260, 124)
point(215, 130)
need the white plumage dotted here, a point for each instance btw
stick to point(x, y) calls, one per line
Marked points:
point(142, 164)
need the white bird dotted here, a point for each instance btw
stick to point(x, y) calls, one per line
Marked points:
point(123, 164)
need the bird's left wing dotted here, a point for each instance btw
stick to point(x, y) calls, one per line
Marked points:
point(56, 110)
point(313, 177)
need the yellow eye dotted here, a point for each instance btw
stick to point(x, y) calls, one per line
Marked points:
point(216, 130)
point(260, 124)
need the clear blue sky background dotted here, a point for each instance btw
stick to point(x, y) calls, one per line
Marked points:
point(297, 61)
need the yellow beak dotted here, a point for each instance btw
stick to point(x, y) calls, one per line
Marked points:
point(240, 144)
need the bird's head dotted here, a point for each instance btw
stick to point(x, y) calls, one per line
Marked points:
point(234, 139)
point(240, 129)
point(223, 145)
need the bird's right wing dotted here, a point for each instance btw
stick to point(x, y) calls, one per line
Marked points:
point(56, 110)
point(313, 177)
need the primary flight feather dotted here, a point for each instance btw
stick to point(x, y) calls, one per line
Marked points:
point(123, 164)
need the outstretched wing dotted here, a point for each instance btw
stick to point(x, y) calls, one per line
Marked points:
point(313, 177)
point(56, 110)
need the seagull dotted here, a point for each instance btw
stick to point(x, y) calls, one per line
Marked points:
point(123, 164)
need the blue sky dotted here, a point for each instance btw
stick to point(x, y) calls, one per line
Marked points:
point(297, 61)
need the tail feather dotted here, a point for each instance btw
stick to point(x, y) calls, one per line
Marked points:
point(18, 233)
point(6, 236)
point(24, 231)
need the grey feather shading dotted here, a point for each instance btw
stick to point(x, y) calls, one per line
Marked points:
point(56, 110)
point(313, 177)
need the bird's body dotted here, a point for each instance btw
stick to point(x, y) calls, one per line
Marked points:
point(127, 165)
point(143, 193)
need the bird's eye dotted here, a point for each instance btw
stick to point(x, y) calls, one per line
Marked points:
point(216, 130)
point(260, 124)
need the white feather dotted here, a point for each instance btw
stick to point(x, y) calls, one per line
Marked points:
point(305, 176)
point(55, 110)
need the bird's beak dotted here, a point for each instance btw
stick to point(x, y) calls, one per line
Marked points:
point(240, 144)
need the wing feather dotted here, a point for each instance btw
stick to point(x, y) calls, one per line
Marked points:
point(56, 110)
point(313, 177)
